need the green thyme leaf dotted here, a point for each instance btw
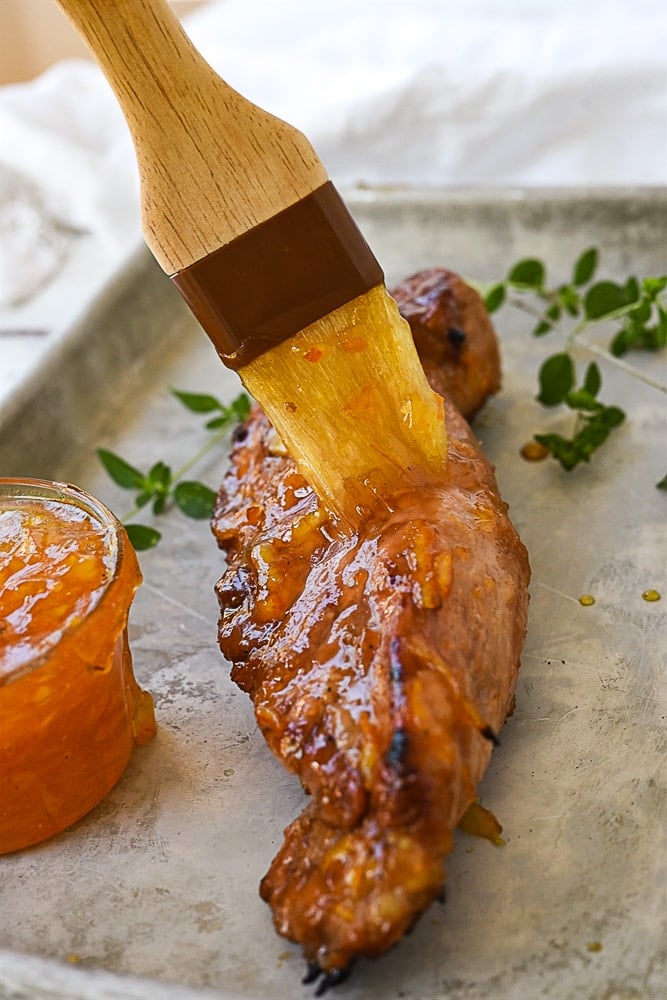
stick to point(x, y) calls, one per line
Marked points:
point(235, 413)
point(642, 312)
point(594, 431)
point(142, 536)
point(159, 478)
point(599, 426)
point(217, 423)
point(581, 399)
point(653, 286)
point(160, 475)
point(194, 499)
point(662, 485)
point(603, 298)
point(122, 473)
point(563, 449)
point(623, 341)
point(569, 296)
point(592, 379)
point(197, 402)
point(556, 378)
point(585, 267)
point(662, 327)
point(528, 273)
point(240, 406)
point(495, 297)
point(635, 334)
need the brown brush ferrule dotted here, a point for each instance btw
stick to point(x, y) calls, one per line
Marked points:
point(279, 277)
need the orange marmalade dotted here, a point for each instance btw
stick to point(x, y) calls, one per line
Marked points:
point(70, 708)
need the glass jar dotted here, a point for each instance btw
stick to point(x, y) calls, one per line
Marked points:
point(71, 710)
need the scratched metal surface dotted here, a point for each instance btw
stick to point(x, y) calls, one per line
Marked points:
point(154, 894)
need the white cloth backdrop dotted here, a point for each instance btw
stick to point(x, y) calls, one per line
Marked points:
point(418, 92)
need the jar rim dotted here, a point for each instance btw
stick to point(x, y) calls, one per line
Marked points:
point(26, 489)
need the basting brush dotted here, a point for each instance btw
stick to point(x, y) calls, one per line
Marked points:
point(240, 213)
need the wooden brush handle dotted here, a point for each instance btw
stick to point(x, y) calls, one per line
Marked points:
point(212, 165)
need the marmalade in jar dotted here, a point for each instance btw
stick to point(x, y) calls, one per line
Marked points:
point(71, 710)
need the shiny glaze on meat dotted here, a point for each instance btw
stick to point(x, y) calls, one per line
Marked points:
point(380, 663)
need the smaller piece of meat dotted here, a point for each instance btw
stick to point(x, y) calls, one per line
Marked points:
point(453, 335)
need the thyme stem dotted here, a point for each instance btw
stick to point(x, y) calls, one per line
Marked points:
point(575, 336)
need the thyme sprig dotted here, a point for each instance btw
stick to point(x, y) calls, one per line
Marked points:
point(163, 488)
point(639, 308)
point(595, 421)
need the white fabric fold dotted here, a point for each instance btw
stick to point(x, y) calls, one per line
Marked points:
point(546, 93)
point(66, 166)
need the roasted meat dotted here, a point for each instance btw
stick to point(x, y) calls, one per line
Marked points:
point(453, 335)
point(382, 661)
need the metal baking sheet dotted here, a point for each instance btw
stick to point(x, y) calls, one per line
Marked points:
point(154, 894)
